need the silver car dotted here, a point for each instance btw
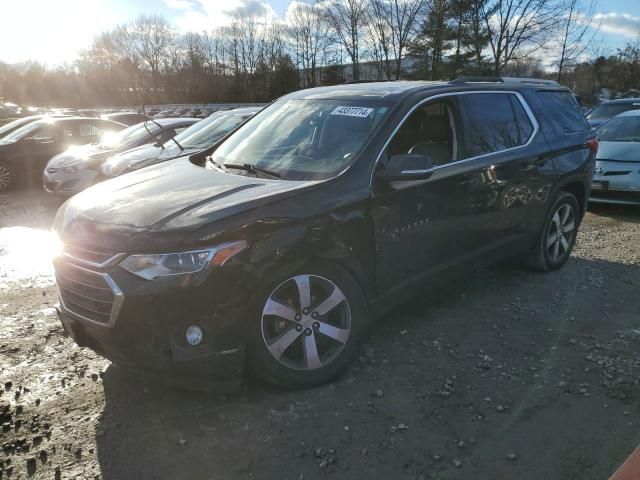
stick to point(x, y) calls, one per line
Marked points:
point(617, 173)
point(77, 168)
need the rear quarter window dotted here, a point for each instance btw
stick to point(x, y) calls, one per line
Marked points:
point(563, 111)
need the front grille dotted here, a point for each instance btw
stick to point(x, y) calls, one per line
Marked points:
point(87, 256)
point(613, 174)
point(85, 294)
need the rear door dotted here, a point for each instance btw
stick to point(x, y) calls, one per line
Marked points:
point(501, 138)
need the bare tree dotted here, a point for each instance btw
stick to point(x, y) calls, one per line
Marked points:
point(309, 30)
point(150, 37)
point(518, 28)
point(379, 37)
point(348, 17)
point(576, 32)
point(403, 17)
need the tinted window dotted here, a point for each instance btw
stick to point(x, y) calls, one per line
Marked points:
point(44, 134)
point(523, 122)
point(493, 122)
point(564, 111)
point(90, 130)
point(428, 131)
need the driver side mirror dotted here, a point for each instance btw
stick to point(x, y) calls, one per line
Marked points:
point(406, 168)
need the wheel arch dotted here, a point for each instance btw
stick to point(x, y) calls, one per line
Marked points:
point(578, 189)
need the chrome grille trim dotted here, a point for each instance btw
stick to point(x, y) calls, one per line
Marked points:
point(116, 304)
point(112, 259)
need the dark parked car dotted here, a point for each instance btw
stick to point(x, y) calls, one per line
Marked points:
point(25, 151)
point(78, 167)
point(327, 207)
point(127, 118)
point(201, 136)
point(617, 173)
point(606, 110)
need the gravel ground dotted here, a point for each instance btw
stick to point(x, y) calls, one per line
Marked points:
point(499, 375)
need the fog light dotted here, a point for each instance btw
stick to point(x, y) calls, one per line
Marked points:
point(194, 335)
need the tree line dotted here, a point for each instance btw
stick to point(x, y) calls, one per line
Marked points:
point(256, 57)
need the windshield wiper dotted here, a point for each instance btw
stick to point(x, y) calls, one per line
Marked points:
point(248, 167)
point(150, 119)
point(217, 165)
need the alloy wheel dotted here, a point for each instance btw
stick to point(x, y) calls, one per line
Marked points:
point(306, 322)
point(6, 177)
point(561, 232)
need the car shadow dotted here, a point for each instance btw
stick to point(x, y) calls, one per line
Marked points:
point(622, 213)
point(151, 431)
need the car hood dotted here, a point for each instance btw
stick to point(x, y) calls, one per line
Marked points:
point(127, 213)
point(84, 153)
point(149, 152)
point(619, 151)
point(146, 155)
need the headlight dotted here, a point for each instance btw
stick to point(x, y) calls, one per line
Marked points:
point(155, 266)
point(111, 169)
point(70, 168)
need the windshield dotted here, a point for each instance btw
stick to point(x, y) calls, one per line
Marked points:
point(211, 130)
point(23, 131)
point(302, 139)
point(128, 137)
point(14, 124)
point(609, 110)
point(620, 129)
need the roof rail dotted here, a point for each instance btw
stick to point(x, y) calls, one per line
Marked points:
point(355, 82)
point(529, 81)
point(477, 80)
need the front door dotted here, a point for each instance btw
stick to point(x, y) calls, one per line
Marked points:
point(456, 216)
point(36, 150)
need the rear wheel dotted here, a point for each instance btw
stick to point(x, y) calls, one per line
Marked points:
point(558, 235)
point(309, 327)
point(7, 177)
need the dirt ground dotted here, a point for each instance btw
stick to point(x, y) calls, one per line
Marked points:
point(504, 374)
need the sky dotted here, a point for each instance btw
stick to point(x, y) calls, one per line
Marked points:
point(53, 31)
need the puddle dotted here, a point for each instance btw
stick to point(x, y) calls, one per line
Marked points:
point(25, 257)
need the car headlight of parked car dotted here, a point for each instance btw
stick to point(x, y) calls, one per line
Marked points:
point(112, 169)
point(155, 266)
point(71, 168)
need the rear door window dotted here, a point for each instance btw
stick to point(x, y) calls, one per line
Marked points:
point(563, 110)
point(493, 122)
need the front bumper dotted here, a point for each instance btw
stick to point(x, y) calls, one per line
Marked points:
point(147, 330)
point(616, 182)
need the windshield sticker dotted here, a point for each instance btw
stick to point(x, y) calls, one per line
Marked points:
point(360, 112)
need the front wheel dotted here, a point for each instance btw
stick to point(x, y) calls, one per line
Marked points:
point(559, 233)
point(7, 177)
point(309, 327)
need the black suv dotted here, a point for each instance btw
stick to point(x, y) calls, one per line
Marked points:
point(328, 206)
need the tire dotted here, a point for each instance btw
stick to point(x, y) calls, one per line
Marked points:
point(558, 236)
point(295, 347)
point(7, 177)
